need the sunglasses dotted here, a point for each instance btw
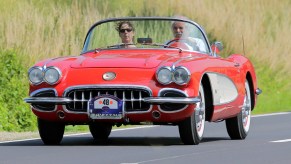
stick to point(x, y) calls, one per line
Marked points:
point(123, 30)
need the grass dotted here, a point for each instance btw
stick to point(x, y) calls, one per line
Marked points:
point(40, 29)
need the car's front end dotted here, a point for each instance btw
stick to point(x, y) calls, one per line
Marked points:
point(61, 89)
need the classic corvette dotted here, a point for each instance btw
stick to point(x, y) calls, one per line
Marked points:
point(141, 70)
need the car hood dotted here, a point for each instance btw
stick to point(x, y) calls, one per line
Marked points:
point(123, 60)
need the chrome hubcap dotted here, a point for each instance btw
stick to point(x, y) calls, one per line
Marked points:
point(200, 114)
point(246, 109)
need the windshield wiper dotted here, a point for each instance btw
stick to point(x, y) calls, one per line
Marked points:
point(162, 45)
point(121, 45)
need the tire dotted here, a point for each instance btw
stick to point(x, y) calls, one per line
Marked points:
point(239, 126)
point(51, 133)
point(192, 128)
point(100, 131)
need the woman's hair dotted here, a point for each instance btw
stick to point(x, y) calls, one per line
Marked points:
point(119, 24)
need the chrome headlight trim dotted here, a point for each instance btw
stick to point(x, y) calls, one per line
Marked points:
point(52, 75)
point(183, 74)
point(164, 75)
point(37, 72)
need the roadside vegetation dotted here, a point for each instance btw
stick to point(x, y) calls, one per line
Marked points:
point(33, 30)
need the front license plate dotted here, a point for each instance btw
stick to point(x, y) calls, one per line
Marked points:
point(105, 107)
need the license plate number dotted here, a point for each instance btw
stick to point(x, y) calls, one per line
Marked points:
point(105, 107)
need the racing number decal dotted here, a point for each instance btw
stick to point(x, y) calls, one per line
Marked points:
point(106, 102)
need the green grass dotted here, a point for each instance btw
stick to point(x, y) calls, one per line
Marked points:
point(276, 95)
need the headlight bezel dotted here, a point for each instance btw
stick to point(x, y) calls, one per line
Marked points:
point(43, 71)
point(30, 72)
point(57, 71)
point(172, 71)
point(187, 73)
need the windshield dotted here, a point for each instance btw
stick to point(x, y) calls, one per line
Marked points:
point(138, 33)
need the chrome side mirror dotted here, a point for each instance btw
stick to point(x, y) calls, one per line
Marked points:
point(217, 47)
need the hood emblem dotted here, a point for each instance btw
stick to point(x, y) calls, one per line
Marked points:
point(109, 76)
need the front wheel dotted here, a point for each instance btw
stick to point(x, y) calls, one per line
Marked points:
point(51, 133)
point(239, 126)
point(192, 128)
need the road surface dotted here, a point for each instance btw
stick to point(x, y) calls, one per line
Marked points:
point(269, 141)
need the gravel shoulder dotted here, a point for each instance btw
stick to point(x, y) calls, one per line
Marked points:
point(10, 136)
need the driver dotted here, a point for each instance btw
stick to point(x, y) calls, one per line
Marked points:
point(181, 33)
point(126, 33)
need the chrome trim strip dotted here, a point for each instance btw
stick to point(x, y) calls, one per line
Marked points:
point(172, 89)
point(43, 90)
point(39, 110)
point(179, 100)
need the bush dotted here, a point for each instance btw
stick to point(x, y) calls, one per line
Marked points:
point(15, 114)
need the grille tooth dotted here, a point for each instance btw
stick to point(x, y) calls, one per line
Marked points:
point(123, 96)
point(75, 99)
point(90, 95)
point(82, 100)
point(139, 98)
point(132, 98)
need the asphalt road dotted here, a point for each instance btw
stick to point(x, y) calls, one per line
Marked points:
point(269, 141)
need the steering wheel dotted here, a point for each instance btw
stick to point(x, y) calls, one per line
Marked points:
point(179, 43)
point(183, 44)
point(176, 40)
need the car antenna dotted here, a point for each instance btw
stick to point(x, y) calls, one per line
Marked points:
point(244, 53)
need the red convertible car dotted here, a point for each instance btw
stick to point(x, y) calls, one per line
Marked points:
point(135, 71)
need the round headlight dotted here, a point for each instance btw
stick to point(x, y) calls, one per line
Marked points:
point(181, 75)
point(35, 75)
point(52, 75)
point(164, 75)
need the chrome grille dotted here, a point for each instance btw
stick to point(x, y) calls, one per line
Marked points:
point(132, 97)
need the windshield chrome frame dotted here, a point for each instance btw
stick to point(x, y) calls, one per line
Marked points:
point(85, 45)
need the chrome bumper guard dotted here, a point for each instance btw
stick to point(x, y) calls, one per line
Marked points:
point(150, 100)
point(47, 100)
point(258, 91)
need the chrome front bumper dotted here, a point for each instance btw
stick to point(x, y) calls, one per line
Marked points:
point(150, 100)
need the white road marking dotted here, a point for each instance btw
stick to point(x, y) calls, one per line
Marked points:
point(78, 134)
point(280, 141)
point(271, 114)
point(145, 126)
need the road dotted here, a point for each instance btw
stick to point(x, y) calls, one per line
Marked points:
point(269, 141)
